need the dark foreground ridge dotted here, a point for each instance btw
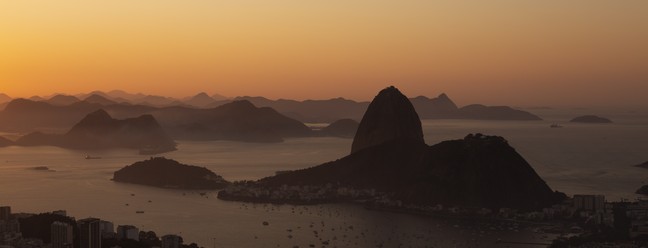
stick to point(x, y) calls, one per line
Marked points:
point(168, 173)
point(397, 167)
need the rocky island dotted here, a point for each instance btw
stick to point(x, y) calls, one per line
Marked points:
point(167, 173)
point(590, 119)
point(390, 164)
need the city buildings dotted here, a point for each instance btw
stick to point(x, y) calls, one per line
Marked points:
point(62, 235)
point(90, 233)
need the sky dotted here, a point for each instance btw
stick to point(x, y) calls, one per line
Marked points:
point(522, 53)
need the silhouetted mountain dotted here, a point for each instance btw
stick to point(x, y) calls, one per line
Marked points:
point(156, 101)
point(98, 99)
point(590, 119)
point(62, 100)
point(168, 173)
point(36, 98)
point(389, 116)
point(96, 92)
point(4, 98)
point(312, 111)
point(441, 107)
point(219, 97)
point(199, 100)
point(5, 142)
point(239, 120)
point(345, 128)
point(98, 130)
point(481, 112)
point(477, 171)
point(435, 108)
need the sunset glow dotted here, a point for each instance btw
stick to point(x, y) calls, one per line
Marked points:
point(494, 52)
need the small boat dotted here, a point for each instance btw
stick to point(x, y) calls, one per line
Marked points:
point(555, 125)
point(90, 157)
point(139, 212)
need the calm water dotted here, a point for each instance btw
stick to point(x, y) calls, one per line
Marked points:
point(575, 159)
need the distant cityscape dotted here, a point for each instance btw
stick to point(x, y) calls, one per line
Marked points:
point(58, 230)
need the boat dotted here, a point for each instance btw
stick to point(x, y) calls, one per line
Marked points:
point(91, 157)
point(555, 125)
point(139, 212)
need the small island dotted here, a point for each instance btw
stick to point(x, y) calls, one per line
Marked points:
point(644, 165)
point(590, 119)
point(643, 190)
point(168, 173)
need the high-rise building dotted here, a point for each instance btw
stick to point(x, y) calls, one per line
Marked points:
point(62, 235)
point(171, 241)
point(90, 233)
point(127, 232)
point(5, 213)
point(107, 229)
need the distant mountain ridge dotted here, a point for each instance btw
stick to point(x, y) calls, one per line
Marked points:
point(441, 107)
point(390, 158)
point(98, 130)
point(322, 111)
point(237, 121)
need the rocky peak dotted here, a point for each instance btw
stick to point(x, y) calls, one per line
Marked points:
point(389, 116)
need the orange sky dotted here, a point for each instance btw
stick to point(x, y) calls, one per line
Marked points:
point(525, 53)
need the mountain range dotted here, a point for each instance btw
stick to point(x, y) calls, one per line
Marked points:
point(308, 111)
point(389, 156)
point(98, 130)
point(238, 120)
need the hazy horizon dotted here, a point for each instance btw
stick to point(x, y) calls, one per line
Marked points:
point(462, 102)
point(577, 53)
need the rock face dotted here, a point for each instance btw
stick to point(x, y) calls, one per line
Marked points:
point(345, 128)
point(477, 171)
point(390, 116)
point(168, 173)
point(590, 119)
